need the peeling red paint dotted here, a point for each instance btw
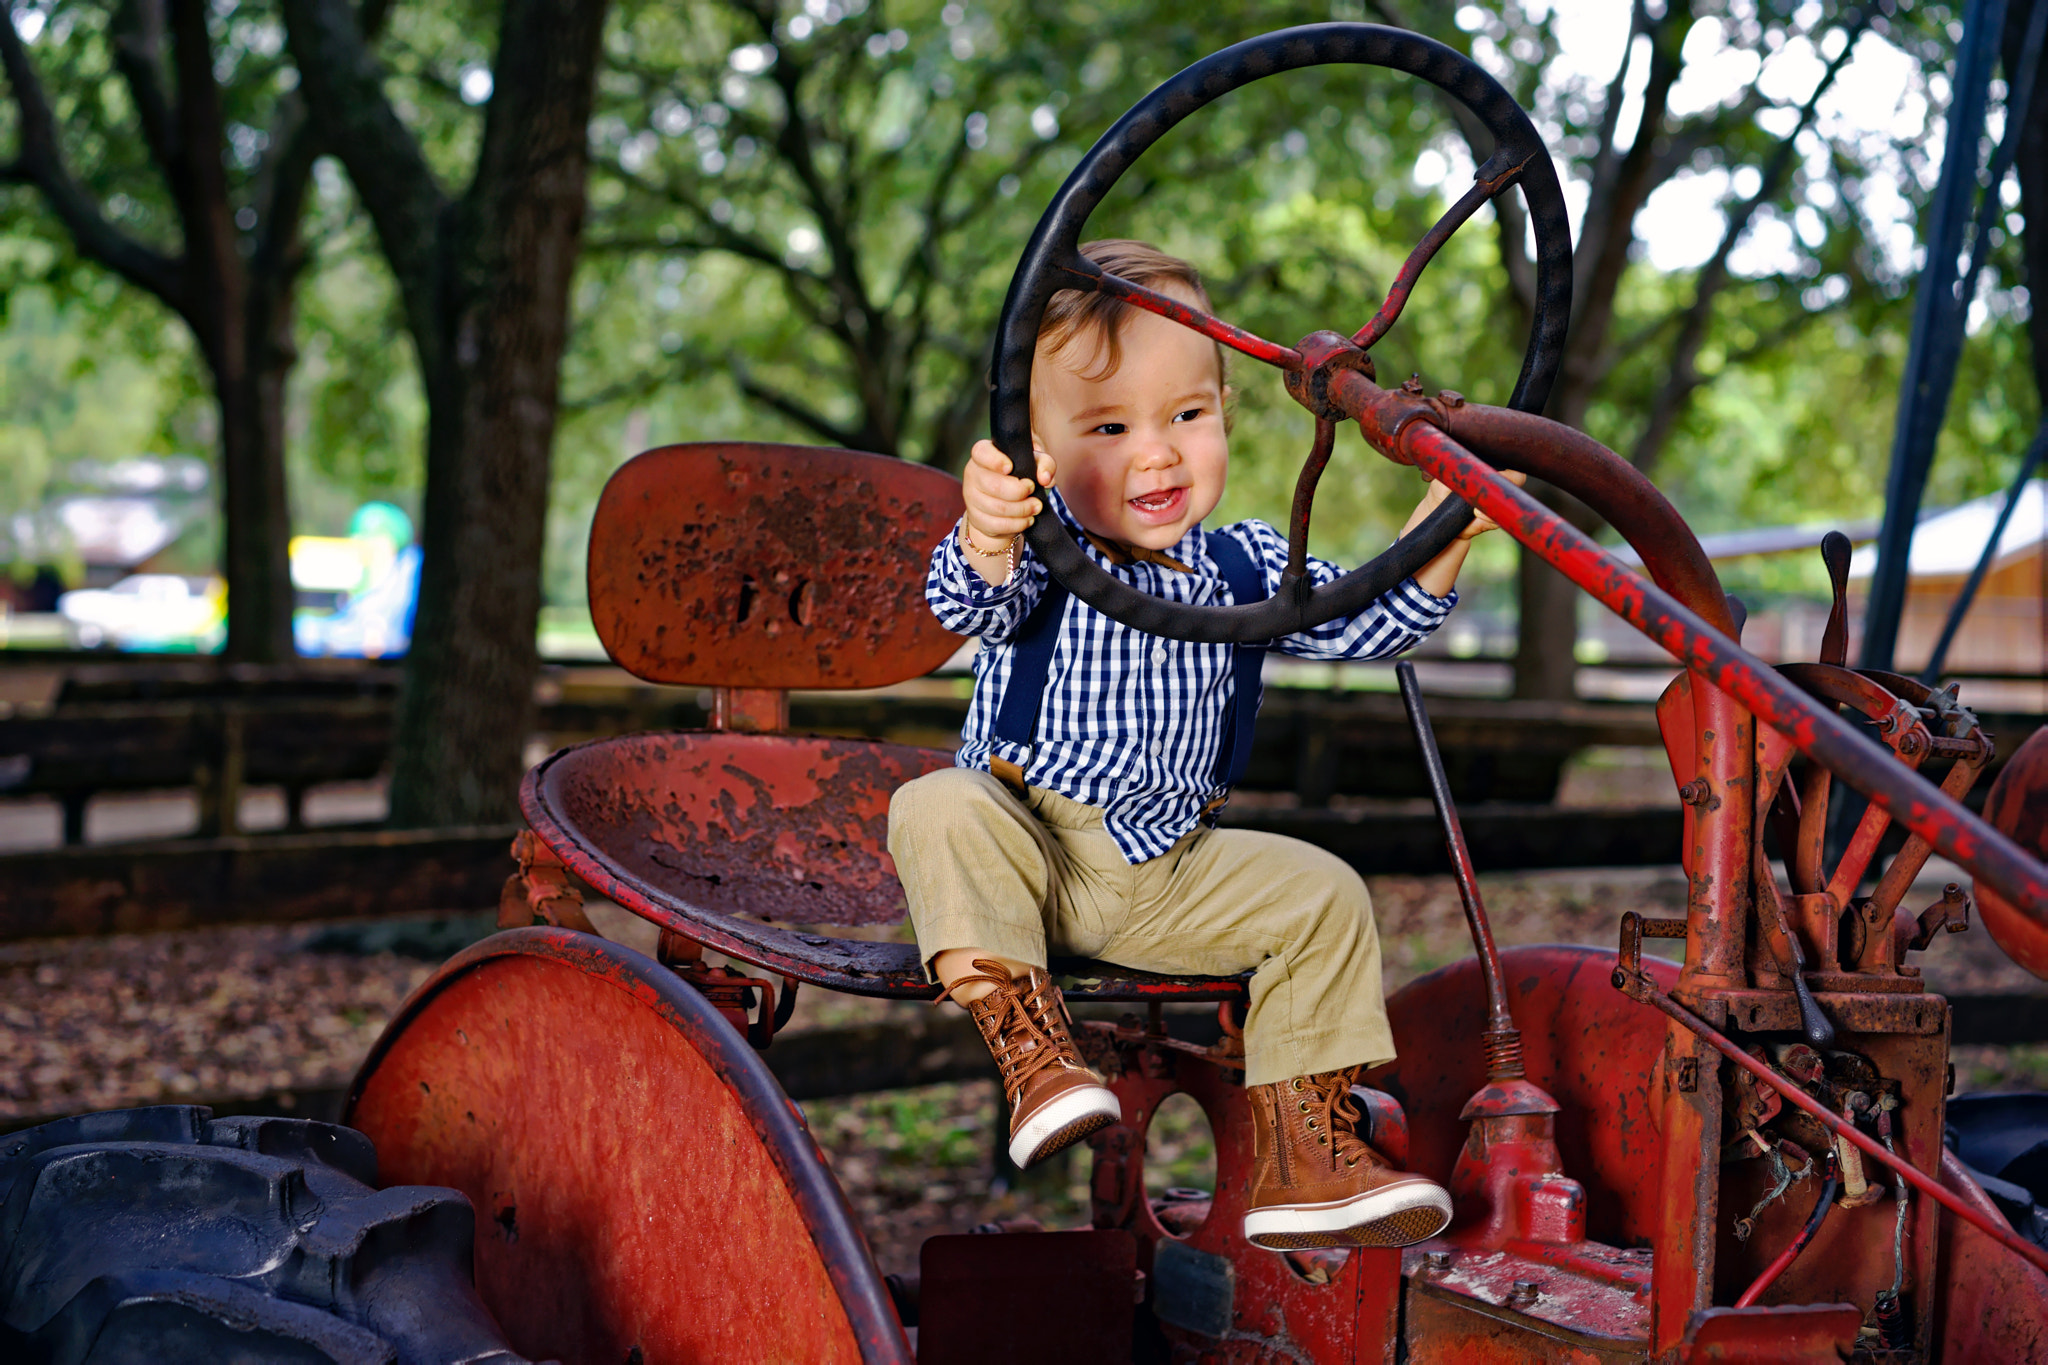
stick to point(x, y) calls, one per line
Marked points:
point(743, 564)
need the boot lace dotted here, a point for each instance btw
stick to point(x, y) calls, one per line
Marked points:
point(1333, 1113)
point(1023, 1022)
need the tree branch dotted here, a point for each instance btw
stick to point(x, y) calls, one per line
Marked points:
point(38, 162)
point(1681, 378)
point(1510, 218)
point(1668, 407)
point(794, 409)
point(279, 195)
point(1608, 226)
point(138, 44)
point(1607, 161)
point(345, 95)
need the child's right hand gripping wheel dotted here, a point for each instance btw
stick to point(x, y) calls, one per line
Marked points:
point(1053, 262)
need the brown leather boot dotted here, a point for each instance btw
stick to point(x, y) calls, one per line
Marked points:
point(1055, 1098)
point(1315, 1182)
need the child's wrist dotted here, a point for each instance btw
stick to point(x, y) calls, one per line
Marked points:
point(967, 540)
point(1008, 554)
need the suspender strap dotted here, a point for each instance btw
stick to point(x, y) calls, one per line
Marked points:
point(1031, 667)
point(1234, 754)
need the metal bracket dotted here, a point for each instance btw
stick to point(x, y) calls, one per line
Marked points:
point(542, 891)
point(729, 991)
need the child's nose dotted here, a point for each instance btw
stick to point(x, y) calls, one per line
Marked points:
point(1158, 451)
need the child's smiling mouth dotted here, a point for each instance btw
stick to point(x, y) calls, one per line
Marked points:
point(1160, 505)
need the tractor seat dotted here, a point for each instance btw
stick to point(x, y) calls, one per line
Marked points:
point(752, 569)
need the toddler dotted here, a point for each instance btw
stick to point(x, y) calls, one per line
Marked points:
point(1080, 817)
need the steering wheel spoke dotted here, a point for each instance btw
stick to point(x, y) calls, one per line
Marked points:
point(1173, 310)
point(1305, 497)
point(1484, 187)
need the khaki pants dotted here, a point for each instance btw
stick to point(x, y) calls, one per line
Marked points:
point(983, 868)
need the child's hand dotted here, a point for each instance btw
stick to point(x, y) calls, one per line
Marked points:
point(1000, 505)
point(1438, 491)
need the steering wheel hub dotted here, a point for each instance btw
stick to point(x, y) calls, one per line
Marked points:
point(1323, 355)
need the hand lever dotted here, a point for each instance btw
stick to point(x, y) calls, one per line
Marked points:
point(1503, 1039)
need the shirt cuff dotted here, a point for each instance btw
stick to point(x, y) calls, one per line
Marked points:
point(1423, 607)
point(960, 582)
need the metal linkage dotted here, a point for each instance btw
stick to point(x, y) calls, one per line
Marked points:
point(1635, 984)
point(1395, 427)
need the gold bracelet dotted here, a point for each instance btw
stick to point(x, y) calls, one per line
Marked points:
point(967, 540)
point(1009, 552)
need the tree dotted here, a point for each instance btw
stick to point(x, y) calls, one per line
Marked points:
point(1637, 358)
point(156, 136)
point(865, 178)
point(484, 275)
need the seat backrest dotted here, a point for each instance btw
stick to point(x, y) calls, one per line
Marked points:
point(740, 564)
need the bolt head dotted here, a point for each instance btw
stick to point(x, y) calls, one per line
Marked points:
point(1437, 1260)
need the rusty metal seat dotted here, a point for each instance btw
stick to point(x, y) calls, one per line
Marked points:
point(752, 569)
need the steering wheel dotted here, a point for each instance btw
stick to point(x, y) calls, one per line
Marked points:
point(1053, 261)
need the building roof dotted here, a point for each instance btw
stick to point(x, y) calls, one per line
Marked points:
point(1947, 544)
point(1764, 540)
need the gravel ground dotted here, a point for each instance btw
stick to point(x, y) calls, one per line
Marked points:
point(249, 1012)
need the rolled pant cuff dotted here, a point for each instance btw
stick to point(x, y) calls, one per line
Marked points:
point(1012, 941)
point(1311, 1055)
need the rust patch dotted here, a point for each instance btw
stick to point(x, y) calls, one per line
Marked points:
point(743, 564)
point(782, 828)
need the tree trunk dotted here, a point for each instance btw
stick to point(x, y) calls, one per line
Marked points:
point(255, 556)
point(493, 374)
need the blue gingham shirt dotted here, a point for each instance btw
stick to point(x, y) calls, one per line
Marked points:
point(1131, 722)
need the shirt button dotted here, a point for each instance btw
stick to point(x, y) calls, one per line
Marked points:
point(1157, 748)
point(1159, 654)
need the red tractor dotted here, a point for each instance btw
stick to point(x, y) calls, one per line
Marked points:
point(1736, 1158)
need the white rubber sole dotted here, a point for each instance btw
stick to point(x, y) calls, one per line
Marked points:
point(1396, 1217)
point(1063, 1122)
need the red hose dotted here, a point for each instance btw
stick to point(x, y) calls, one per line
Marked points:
point(1806, 1234)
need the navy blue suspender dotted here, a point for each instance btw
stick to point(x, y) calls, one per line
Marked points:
point(1031, 666)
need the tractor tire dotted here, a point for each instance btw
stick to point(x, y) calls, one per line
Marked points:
point(162, 1236)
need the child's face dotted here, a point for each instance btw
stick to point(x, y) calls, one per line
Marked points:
point(1140, 453)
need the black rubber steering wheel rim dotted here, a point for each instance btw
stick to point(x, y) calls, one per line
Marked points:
point(1057, 240)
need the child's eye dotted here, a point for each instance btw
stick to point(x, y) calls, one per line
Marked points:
point(1109, 429)
point(1188, 415)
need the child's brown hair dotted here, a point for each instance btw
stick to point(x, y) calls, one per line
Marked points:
point(1075, 314)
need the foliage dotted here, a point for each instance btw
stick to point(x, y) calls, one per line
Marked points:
point(717, 294)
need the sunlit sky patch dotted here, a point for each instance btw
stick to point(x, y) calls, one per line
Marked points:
point(1879, 104)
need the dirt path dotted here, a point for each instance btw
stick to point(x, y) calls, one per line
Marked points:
point(253, 1011)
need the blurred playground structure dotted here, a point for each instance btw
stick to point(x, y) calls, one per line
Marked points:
point(372, 577)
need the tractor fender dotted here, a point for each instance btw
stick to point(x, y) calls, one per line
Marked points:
point(647, 1191)
point(2017, 805)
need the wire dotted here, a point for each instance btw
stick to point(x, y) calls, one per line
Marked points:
point(1813, 1222)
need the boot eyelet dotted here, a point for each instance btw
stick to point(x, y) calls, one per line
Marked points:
point(1311, 1125)
point(1350, 1161)
point(1304, 1106)
point(1321, 1140)
point(1295, 1083)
